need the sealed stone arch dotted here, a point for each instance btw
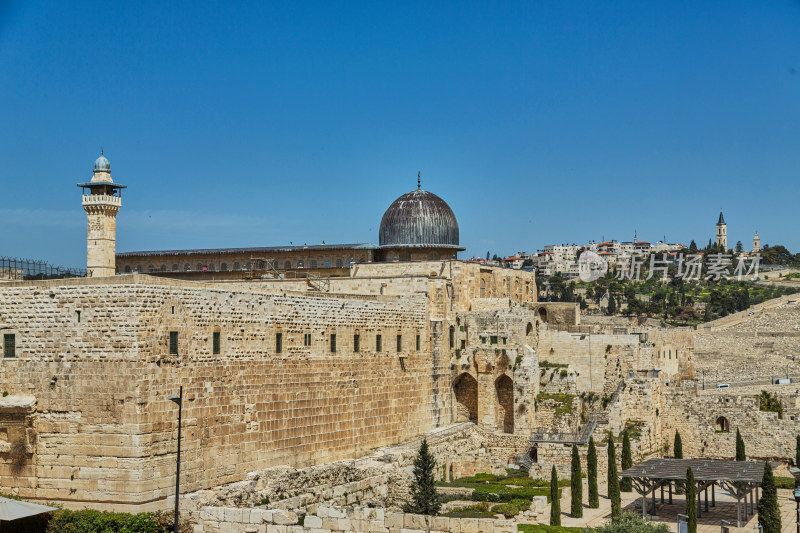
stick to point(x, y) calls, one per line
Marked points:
point(504, 388)
point(465, 389)
point(723, 426)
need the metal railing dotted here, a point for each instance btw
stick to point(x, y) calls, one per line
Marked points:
point(12, 268)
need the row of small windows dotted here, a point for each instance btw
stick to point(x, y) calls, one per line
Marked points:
point(223, 267)
point(216, 343)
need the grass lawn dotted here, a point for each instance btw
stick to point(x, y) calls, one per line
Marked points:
point(515, 489)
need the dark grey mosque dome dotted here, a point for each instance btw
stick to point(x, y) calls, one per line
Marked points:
point(419, 218)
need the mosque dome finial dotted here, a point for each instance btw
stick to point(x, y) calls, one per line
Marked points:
point(101, 164)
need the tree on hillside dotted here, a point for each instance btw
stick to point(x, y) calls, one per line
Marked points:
point(631, 523)
point(740, 452)
point(691, 501)
point(739, 246)
point(576, 485)
point(692, 247)
point(769, 514)
point(424, 499)
point(612, 305)
point(677, 446)
point(613, 480)
point(626, 485)
point(555, 502)
point(591, 473)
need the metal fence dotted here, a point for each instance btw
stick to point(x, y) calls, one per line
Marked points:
point(12, 268)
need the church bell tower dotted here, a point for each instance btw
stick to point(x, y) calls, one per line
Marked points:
point(102, 199)
point(722, 232)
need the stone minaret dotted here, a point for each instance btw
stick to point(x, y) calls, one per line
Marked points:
point(102, 199)
point(722, 232)
point(756, 244)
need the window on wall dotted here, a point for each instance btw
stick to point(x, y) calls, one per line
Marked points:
point(399, 343)
point(326, 263)
point(236, 265)
point(356, 343)
point(163, 268)
point(150, 268)
point(173, 343)
point(211, 266)
point(306, 339)
point(287, 265)
point(339, 263)
point(313, 263)
point(378, 343)
point(418, 342)
point(333, 342)
point(223, 266)
point(199, 266)
point(174, 267)
point(9, 345)
point(127, 269)
point(215, 342)
point(493, 339)
point(187, 267)
point(279, 343)
point(300, 264)
point(452, 337)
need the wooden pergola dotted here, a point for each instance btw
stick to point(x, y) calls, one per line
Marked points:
point(740, 479)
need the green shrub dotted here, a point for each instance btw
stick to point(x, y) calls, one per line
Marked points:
point(90, 521)
point(632, 523)
point(508, 510)
point(536, 528)
point(784, 482)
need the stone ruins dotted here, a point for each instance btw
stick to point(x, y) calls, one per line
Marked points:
point(306, 397)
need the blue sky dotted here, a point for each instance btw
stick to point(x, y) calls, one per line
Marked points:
point(249, 124)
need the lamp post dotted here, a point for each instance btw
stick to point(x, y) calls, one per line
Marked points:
point(178, 400)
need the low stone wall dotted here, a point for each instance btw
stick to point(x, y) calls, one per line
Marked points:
point(325, 519)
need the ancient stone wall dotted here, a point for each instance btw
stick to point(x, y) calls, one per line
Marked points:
point(707, 421)
point(328, 519)
point(105, 432)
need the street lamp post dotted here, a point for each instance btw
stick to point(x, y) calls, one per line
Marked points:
point(796, 475)
point(178, 400)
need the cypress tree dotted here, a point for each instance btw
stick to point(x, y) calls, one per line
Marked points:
point(576, 485)
point(740, 453)
point(424, 499)
point(769, 514)
point(555, 503)
point(677, 453)
point(626, 484)
point(677, 448)
point(612, 305)
point(797, 453)
point(613, 480)
point(591, 472)
point(691, 501)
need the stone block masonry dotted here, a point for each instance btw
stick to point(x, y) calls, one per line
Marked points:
point(327, 519)
point(98, 358)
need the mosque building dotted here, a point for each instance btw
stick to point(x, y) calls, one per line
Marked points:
point(417, 226)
